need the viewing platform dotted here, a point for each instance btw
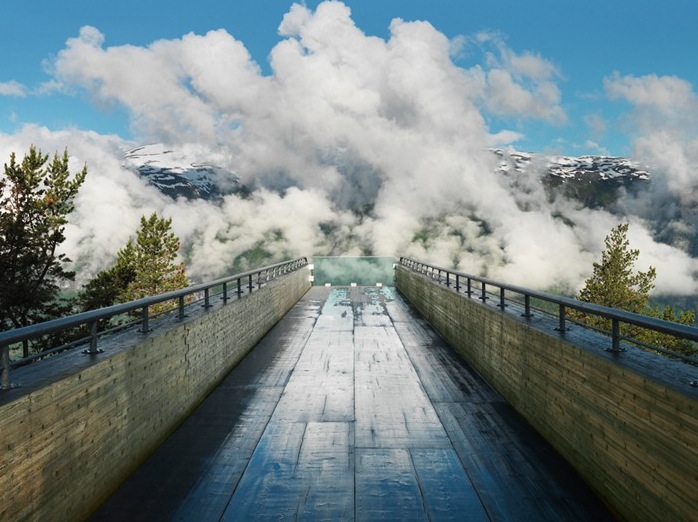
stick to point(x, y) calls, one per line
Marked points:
point(353, 408)
point(429, 394)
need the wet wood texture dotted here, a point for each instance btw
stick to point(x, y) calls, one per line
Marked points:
point(352, 408)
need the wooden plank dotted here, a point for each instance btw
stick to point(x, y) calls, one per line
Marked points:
point(326, 469)
point(370, 307)
point(267, 489)
point(442, 372)
point(322, 385)
point(392, 409)
point(297, 470)
point(208, 497)
point(337, 312)
point(386, 486)
point(447, 490)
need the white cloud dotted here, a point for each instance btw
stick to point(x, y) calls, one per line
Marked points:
point(506, 97)
point(12, 88)
point(667, 93)
point(520, 85)
point(664, 123)
point(174, 89)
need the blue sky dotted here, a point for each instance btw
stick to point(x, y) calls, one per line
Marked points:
point(587, 42)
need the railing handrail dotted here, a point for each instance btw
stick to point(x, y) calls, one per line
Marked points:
point(652, 323)
point(26, 333)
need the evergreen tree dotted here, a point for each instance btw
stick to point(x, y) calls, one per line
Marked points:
point(669, 342)
point(615, 284)
point(144, 267)
point(36, 197)
point(108, 287)
point(153, 257)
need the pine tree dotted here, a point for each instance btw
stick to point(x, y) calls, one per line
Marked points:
point(108, 287)
point(145, 267)
point(154, 254)
point(36, 198)
point(615, 284)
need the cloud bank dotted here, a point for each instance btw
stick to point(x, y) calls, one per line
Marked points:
point(353, 145)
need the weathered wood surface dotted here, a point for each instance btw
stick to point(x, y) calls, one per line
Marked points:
point(352, 408)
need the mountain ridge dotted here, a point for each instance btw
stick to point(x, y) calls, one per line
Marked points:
point(177, 175)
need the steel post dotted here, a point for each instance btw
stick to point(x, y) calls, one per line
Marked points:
point(562, 328)
point(145, 327)
point(6, 367)
point(93, 337)
point(615, 336)
point(527, 306)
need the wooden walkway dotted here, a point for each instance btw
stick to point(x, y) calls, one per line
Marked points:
point(352, 408)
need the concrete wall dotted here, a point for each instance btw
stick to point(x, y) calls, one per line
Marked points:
point(66, 447)
point(634, 440)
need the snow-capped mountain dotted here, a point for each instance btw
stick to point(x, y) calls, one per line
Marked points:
point(592, 179)
point(600, 168)
point(595, 181)
point(177, 175)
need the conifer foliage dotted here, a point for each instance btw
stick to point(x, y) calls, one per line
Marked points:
point(145, 267)
point(36, 198)
point(614, 283)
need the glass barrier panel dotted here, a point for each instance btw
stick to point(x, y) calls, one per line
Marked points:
point(362, 271)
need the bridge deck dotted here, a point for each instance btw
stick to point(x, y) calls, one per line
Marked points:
point(353, 408)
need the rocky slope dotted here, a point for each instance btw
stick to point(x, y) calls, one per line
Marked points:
point(176, 175)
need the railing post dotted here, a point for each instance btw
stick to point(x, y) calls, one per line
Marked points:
point(225, 292)
point(470, 288)
point(483, 297)
point(145, 316)
point(249, 285)
point(207, 299)
point(502, 305)
point(457, 283)
point(6, 367)
point(181, 307)
point(562, 328)
point(448, 279)
point(615, 335)
point(239, 290)
point(93, 340)
point(527, 306)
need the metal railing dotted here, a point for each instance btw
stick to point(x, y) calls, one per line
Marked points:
point(474, 285)
point(235, 285)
